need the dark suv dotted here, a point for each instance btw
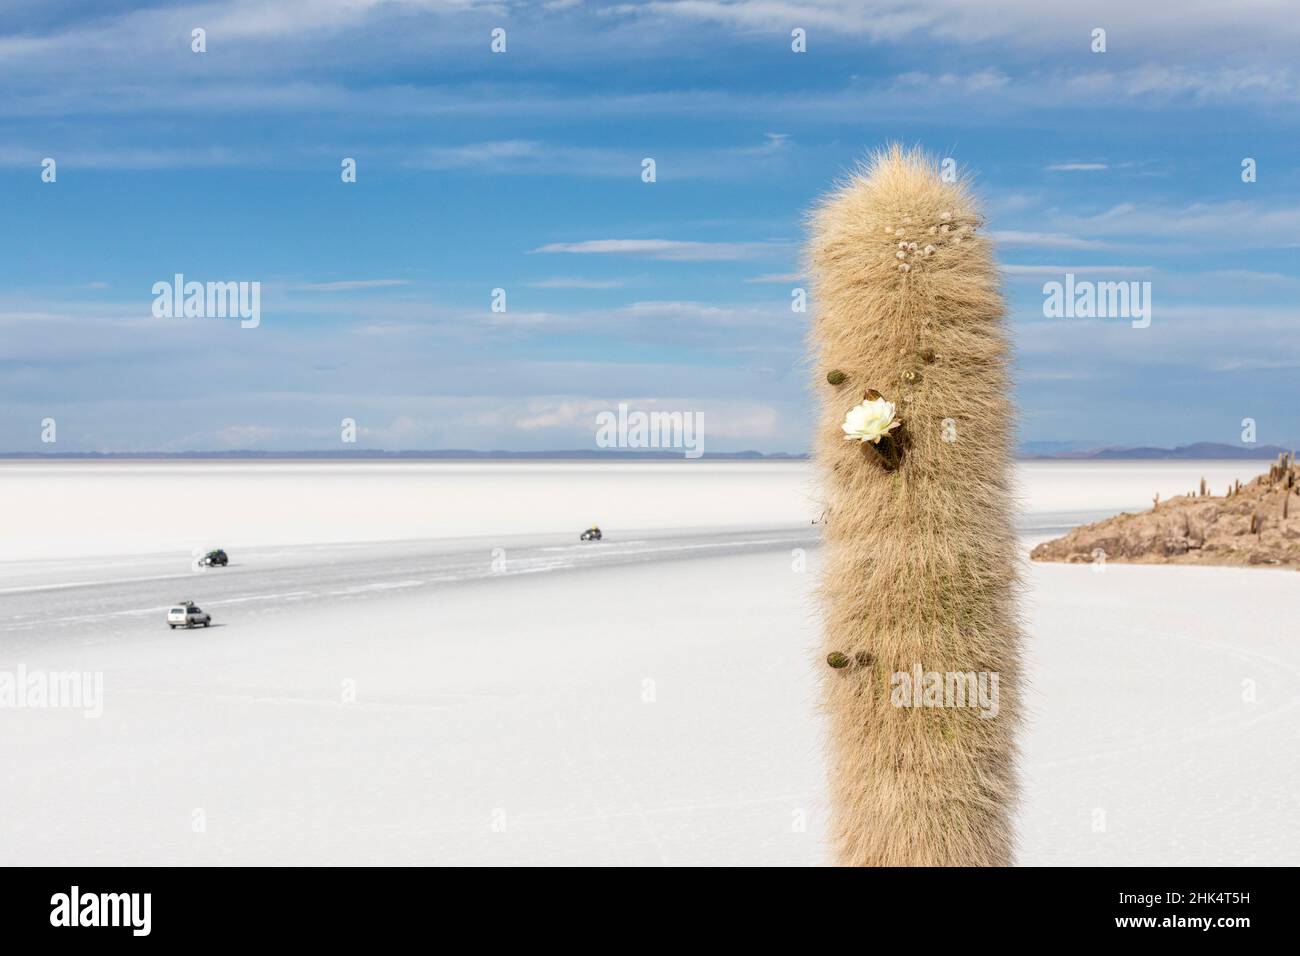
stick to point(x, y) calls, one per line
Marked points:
point(214, 559)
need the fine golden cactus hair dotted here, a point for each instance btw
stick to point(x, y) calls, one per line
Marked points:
point(920, 556)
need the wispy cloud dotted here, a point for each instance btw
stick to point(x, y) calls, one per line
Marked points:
point(975, 81)
point(729, 419)
point(1022, 23)
point(576, 282)
point(534, 157)
point(1077, 167)
point(1031, 270)
point(1255, 277)
point(698, 313)
point(1159, 83)
point(348, 285)
point(526, 156)
point(1238, 222)
point(132, 157)
point(1046, 240)
point(666, 249)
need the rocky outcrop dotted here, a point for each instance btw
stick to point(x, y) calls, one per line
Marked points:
point(1253, 524)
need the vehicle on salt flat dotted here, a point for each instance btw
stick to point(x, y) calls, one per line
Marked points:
point(187, 614)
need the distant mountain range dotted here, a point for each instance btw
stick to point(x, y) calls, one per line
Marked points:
point(1030, 451)
point(1199, 451)
point(445, 454)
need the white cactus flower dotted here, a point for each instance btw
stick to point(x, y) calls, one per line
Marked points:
point(870, 421)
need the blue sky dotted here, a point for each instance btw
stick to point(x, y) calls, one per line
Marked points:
point(522, 171)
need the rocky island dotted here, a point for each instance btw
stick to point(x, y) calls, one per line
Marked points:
point(1253, 524)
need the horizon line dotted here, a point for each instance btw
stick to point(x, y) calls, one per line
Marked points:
point(1237, 451)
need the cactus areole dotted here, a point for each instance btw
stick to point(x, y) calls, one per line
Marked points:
point(919, 583)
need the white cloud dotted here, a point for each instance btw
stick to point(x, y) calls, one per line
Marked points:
point(977, 81)
point(526, 156)
point(1234, 223)
point(699, 314)
point(721, 418)
point(112, 92)
point(1013, 269)
point(666, 249)
point(1158, 83)
point(534, 157)
point(1045, 240)
point(348, 285)
point(1255, 364)
point(234, 437)
point(1253, 277)
point(1077, 167)
point(565, 413)
point(1021, 23)
point(127, 157)
point(576, 282)
point(1191, 337)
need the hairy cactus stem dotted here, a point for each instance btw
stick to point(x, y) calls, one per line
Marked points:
point(930, 566)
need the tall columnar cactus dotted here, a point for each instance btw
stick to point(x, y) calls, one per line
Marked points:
point(920, 563)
